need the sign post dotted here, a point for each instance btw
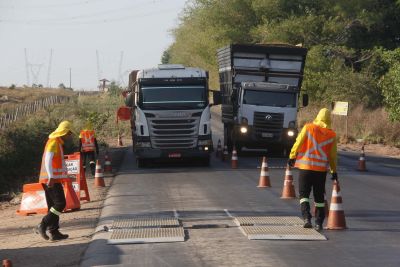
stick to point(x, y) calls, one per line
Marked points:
point(341, 108)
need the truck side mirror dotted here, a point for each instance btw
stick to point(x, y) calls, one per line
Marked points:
point(217, 97)
point(305, 100)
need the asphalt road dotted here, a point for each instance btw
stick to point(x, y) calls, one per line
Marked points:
point(200, 195)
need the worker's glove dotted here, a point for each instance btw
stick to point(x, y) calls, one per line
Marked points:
point(334, 176)
point(291, 162)
point(49, 183)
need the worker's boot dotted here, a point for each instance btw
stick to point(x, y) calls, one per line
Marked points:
point(305, 211)
point(55, 235)
point(40, 229)
point(319, 218)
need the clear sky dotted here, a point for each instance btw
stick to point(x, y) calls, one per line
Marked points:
point(74, 30)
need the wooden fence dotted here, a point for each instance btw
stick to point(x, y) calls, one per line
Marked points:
point(26, 109)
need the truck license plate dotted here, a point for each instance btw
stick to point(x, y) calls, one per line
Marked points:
point(267, 134)
point(174, 155)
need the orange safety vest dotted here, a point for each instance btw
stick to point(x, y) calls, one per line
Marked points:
point(58, 163)
point(87, 140)
point(314, 151)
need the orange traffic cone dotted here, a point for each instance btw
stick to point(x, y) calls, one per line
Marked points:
point(361, 162)
point(225, 154)
point(7, 263)
point(288, 187)
point(98, 176)
point(219, 149)
point(107, 164)
point(336, 220)
point(234, 160)
point(264, 175)
point(119, 140)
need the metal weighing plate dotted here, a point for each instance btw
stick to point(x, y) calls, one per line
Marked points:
point(268, 220)
point(280, 232)
point(147, 235)
point(145, 222)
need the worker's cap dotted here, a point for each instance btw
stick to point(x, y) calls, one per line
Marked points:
point(63, 128)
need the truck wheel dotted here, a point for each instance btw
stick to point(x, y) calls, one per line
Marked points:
point(228, 138)
point(206, 161)
point(141, 163)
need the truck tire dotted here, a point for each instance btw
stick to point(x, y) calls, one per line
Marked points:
point(206, 161)
point(141, 163)
point(228, 137)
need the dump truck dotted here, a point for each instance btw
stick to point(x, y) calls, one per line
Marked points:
point(260, 87)
point(171, 116)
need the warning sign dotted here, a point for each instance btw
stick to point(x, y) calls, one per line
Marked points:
point(72, 166)
point(340, 108)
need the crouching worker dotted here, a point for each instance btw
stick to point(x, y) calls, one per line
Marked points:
point(53, 169)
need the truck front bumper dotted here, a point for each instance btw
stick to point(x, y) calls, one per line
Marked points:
point(153, 153)
point(253, 139)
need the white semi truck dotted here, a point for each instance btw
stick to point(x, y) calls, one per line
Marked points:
point(170, 113)
point(260, 88)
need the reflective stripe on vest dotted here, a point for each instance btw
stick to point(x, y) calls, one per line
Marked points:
point(87, 139)
point(58, 163)
point(313, 154)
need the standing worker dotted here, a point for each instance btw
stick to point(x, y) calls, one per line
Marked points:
point(52, 170)
point(88, 145)
point(314, 151)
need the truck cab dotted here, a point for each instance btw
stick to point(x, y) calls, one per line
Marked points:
point(171, 114)
point(260, 87)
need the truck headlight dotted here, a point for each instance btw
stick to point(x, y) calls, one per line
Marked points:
point(290, 133)
point(243, 129)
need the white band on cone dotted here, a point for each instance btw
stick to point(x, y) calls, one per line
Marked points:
point(264, 173)
point(336, 193)
point(336, 206)
point(362, 158)
point(234, 158)
point(264, 164)
point(288, 182)
point(288, 173)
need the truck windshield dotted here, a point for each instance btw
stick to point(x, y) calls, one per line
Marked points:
point(269, 98)
point(173, 97)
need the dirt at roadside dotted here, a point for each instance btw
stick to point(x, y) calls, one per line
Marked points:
point(372, 149)
point(24, 248)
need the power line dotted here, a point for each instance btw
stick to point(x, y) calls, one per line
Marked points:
point(85, 16)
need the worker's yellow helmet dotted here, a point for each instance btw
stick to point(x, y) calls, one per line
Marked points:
point(63, 128)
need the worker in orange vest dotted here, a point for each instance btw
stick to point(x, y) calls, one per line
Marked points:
point(52, 170)
point(313, 153)
point(88, 146)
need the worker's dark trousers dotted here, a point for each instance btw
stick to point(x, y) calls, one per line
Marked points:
point(316, 181)
point(89, 156)
point(55, 198)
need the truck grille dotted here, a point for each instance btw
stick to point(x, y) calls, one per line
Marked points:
point(174, 133)
point(265, 127)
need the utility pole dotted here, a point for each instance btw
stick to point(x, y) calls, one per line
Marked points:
point(70, 87)
point(49, 68)
point(27, 68)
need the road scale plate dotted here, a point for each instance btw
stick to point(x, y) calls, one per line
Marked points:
point(280, 232)
point(276, 227)
point(147, 235)
point(267, 220)
point(145, 222)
